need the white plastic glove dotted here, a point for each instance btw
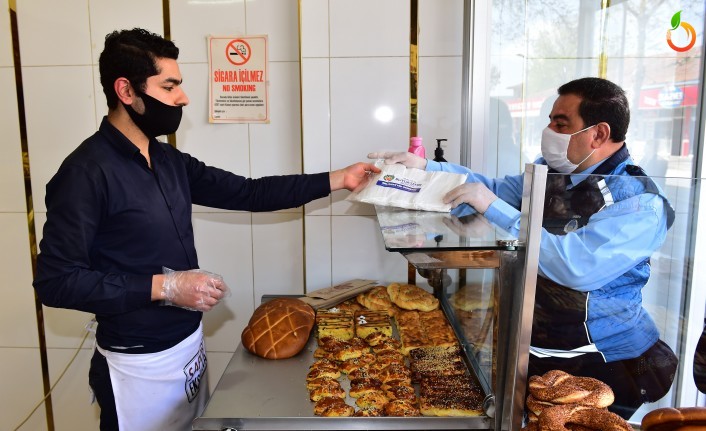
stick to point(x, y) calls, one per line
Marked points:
point(476, 195)
point(403, 157)
point(194, 289)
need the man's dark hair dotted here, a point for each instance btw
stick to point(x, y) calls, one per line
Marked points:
point(602, 101)
point(131, 54)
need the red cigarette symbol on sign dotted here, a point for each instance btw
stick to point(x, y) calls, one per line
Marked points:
point(238, 52)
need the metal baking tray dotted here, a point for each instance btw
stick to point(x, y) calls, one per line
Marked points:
point(263, 394)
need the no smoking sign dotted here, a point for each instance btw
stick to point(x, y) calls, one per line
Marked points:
point(238, 52)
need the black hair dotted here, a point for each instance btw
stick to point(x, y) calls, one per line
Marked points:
point(131, 54)
point(601, 101)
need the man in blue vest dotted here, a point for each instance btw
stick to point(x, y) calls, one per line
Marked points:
point(603, 218)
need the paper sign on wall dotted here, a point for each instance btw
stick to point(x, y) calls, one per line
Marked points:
point(238, 83)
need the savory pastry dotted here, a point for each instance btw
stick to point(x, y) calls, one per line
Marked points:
point(338, 410)
point(373, 399)
point(394, 383)
point(559, 387)
point(368, 412)
point(324, 363)
point(325, 403)
point(591, 418)
point(326, 391)
point(401, 408)
point(366, 372)
point(435, 361)
point(411, 297)
point(401, 392)
point(321, 381)
point(356, 363)
point(424, 329)
point(376, 298)
point(317, 373)
point(388, 343)
point(450, 396)
point(471, 297)
point(349, 306)
point(389, 357)
point(396, 372)
point(359, 387)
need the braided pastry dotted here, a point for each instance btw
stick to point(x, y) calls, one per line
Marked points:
point(559, 387)
point(536, 407)
point(599, 419)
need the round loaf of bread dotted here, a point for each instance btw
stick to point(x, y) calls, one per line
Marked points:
point(279, 328)
point(670, 419)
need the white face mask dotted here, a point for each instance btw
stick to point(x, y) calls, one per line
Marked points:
point(555, 147)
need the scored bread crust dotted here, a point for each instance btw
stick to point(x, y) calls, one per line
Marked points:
point(278, 329)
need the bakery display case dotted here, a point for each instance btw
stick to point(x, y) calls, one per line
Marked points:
point(492, 322)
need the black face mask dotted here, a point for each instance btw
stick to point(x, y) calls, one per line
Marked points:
point(158, 118)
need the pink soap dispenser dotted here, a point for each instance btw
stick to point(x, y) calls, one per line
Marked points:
point(415, 146)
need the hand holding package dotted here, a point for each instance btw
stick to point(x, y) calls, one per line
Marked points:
point(402, 187)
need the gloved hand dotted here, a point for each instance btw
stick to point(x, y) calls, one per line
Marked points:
point(476, 195)
point(194, 289)
point(403, 157)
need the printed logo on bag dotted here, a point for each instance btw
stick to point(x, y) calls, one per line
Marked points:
point(690, 32)
point(404, 184)
point(194, 371)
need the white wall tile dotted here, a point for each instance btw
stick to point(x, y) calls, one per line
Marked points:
point(360, 87)
point(276, 147)
point(359, 252)
point(316, 124)
point(6, 59)
point(316, 115)
point(440, 27)
point(224, 246)
point(369, 28)
point(192, 22)
point(221, 145)
point(52, 35)
point(320, 206)
point(71, 397)
point(12, 188)
point(277, 254)
point(59, 118)
point(99, 100)
point(106, 17)
point(64, 328)
point(439, 113)
point(279, 19)
point(314, 28)
point(21, 389)
point(318, 252)
point(18, 322)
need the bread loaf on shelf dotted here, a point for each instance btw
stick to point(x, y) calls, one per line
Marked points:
point(279, 328)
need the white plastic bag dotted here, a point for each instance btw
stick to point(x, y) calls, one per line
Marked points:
point(401, 187)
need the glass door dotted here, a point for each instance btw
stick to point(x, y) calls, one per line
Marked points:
point(522, 51)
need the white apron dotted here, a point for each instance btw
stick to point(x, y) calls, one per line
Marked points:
point(160, 391)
